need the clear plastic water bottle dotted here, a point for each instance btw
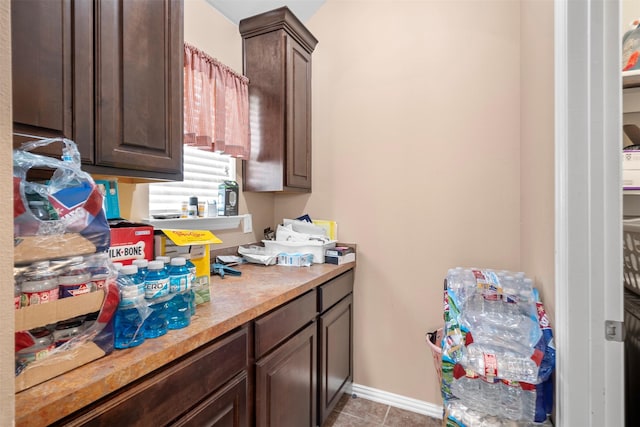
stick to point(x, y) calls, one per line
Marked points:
point(497, 323)
point(469, 390)
point(510, 400)
point(131, 311)
point(502, 362)
point(454, 279)
point(157, 296)
point(528, 399)
point(490, 389)
point(179, 313)
point(470, 285)
point(526, 291)
point(510, 291)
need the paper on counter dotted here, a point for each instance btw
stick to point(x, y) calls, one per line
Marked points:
point(257, 255)
point(287, 233)
point(305, 227)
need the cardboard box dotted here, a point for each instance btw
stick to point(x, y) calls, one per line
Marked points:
point(37, 315)
point(175, 243)
point(63, 361)
point(28, 249)
point(131, 241)
point(228, 198)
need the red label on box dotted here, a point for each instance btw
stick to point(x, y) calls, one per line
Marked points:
point(129, 243)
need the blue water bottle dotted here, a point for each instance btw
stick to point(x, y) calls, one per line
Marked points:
point(128, 321)
point(191, 267)
point(143, 267)
point(157, 296)
point(192, 280)
point(165, 261)
point(179, 313)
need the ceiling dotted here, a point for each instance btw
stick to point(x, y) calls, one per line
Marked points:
point(236, 10)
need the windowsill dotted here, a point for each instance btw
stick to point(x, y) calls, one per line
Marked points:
point(213, 223)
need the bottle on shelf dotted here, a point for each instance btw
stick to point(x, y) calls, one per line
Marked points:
point(192, 211)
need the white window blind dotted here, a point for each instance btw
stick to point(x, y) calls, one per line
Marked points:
point(203, 171)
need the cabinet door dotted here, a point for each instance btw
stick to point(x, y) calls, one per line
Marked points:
point(225, 408)
point(139, 57)
point(264, 65)
point(298, 145)
point(277, 51)
point(286, 383)
point(52, 72)
point(335, 364)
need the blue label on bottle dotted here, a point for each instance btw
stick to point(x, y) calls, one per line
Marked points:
point(156, 288)
point(178, 283)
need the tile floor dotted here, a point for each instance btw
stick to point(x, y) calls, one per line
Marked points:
point(358, 412)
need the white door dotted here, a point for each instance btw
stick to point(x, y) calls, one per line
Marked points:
point(589, 374)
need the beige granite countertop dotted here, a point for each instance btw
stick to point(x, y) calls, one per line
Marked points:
point(234, 302)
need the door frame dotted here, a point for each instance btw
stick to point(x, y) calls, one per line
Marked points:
point(588, 218)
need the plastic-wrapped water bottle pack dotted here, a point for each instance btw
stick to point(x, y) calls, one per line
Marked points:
point(498, 354)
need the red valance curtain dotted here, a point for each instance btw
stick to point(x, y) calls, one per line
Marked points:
point(216, 105)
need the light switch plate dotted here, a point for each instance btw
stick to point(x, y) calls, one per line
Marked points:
point(247, 226)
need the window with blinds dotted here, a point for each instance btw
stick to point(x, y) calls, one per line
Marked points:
point(203, 171)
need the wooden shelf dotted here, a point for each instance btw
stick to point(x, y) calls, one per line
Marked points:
point(213, 223)
point(630, 79)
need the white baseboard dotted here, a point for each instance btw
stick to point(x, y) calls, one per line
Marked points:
point(402, 402)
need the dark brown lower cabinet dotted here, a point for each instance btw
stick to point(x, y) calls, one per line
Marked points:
point(286, 390)
point(335, 364)
point(335, 342)
point(210, 382)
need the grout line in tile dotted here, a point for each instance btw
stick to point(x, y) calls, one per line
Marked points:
point(386, 414)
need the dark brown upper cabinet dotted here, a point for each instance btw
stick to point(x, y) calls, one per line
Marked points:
point(277, 50)
point(106, 74)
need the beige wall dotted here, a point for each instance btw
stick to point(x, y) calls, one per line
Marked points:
point(537, 147)
point(7, 366)
point(416, 155)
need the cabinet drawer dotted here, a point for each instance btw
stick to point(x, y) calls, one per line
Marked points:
point(275, 327)
point(334, 290)
point(227, 407)
point(166, 394)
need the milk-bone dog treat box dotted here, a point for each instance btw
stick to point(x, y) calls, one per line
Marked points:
point(131, 241)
